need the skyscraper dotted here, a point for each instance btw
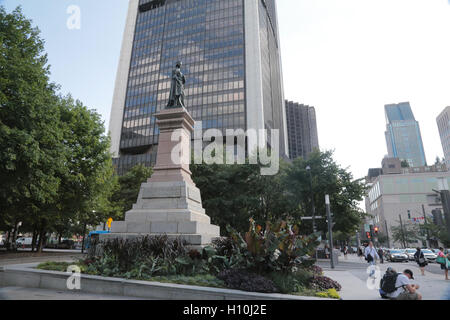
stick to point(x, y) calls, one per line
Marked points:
point(443, 122)
point(403, 136)
point(302, 129)
point(231, 60)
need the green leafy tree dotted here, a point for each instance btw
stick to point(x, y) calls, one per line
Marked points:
point(127, 189)
point(409, 234)
point(32, 155)
point(326, 177)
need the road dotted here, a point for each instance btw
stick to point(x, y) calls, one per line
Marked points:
point(353, 276)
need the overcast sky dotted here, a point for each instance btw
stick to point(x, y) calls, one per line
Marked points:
point(347, 58)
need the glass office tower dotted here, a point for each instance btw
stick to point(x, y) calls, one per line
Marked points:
point(403, 136)
point(302, 129)
point(231, 60)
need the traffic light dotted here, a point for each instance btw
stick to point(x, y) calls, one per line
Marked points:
point(376, 230)
point(409, 214)
point(368, 235)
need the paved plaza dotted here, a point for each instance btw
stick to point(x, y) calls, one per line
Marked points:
point(352, 275)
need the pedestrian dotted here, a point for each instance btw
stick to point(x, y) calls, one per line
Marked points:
point(405, 289)
point(371, 256)
point(442, 259)
point(360, 253)
point(345, 252)
point(421, 261)
point(381, 255)
point(327, 252)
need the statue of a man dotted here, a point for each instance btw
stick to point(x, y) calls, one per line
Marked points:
point(176, 98)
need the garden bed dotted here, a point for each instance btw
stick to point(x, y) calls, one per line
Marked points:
point(274, 261)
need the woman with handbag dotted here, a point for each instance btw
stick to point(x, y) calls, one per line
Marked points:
point(442, 259)
point(421, 261)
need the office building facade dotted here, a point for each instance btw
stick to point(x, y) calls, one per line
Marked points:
point(231, 60)
point(443, 122)
point(405, 192)
point(403, 136)
point(302, 129)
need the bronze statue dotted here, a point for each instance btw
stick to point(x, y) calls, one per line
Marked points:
point(176, 98)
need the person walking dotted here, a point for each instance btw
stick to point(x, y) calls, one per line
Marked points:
point(421, 261)
point(327, 252)
point(442, 259)
point(381, 255)
point(371, 256)
point(345, 252)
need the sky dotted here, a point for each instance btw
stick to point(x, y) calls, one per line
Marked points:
point(347, 58)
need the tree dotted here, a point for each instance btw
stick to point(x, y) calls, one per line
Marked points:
point(409, 234)
point(127, 189)
point(232, 194)
point(55, 166)
point(405, 164)
point(32, 155)
point(327, 178)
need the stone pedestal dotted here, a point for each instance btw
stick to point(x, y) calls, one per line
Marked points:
point(169, 202)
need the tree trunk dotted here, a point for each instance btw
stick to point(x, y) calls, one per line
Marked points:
point(33, 241)
point(84, 237)
point(13, 244)
point(59, 238)
point(41, 240)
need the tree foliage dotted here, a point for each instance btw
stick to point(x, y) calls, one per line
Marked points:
point(232, 194)
point(55, 166)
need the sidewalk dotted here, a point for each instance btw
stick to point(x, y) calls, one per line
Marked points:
point(352, 275)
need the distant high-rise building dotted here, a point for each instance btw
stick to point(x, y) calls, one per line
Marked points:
point(302, 129)
point(231, 59)
point(443, 122)
point(403, 136)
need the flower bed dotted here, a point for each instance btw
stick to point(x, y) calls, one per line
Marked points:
point(274, 260)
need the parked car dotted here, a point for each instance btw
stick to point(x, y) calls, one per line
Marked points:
point(397, 255)
point(429, 255)
point(410, 253)
point(22, 241)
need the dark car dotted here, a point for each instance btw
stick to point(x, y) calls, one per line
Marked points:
point(394, 255)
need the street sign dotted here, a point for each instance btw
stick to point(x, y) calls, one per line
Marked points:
point(366, 228)
point(310, 218)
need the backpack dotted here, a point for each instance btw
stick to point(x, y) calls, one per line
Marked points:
point(387, 283)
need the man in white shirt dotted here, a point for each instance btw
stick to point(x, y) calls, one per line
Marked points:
point(370, 250)
point(371, 254)
point(405, 290)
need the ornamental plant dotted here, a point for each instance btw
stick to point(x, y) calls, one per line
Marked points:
point(277, 248)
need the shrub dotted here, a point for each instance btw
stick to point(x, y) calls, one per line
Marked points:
point(330, 293)
point(277, 248)
point(316, 270)
point(323, 283)
point(247, 281)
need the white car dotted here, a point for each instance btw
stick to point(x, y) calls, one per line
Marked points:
point(429, 255)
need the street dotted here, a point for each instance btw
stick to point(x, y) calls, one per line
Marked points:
point(353, 276)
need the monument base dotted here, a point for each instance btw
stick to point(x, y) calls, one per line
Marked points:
point(169, 203)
